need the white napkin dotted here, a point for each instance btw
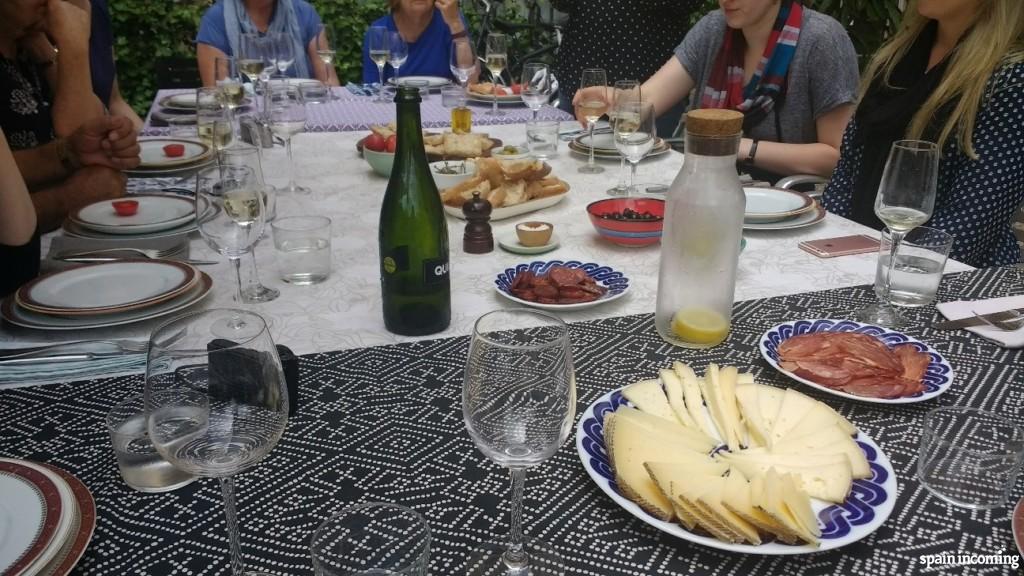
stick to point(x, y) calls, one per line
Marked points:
point(17, 375)
point(963, 309)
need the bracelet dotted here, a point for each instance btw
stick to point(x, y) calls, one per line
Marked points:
point(460, 34)
point(67, 159)
point(750, 154)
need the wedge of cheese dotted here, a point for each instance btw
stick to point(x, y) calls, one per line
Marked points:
point(664, 473)
point(712, 500)
point(830, 439)
point(799, 505)
point(736, 497)
point(824, 477)
point(668, 429)
point(648, 396)
point(692, 396)
point(710, 390)
point(727, 393)
point(750, 410)
point(767, 494)
point(799, 415)
point(769, 398)
point(629, 446)
point(674, 392)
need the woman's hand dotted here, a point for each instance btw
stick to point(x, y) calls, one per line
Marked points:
point(450, 12)
point(592, 93)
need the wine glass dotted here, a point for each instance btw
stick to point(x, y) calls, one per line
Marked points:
point(285, 52)
point(379, 53)
point(231, 213)
point(462, 63)
point(634, 134)
point(592, 106)
point(288, 118)
point(229, 85)
point(213, 124)
point(625, 91)
point(325, 51)
point(905, 200)
point(398, 52)
point(518, 401)
point(535, 89)
point(217, 400)
point(253, 291)
point(497, 60)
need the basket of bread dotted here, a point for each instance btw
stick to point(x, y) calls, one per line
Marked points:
point(512, 187)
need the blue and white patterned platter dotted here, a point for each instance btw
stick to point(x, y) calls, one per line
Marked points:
point(938, 376)
point(616, 282)
point(866, 508)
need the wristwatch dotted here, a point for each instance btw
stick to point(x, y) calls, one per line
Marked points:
point(749, 161)
point(460, 34)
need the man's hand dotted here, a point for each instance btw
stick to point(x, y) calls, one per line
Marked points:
point(68, 24)
point(450, 12)
point(109, 141)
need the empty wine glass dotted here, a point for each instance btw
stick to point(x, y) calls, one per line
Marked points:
point(398, 52)
point(229, 85)
point(497, 60)
point(325, 51)
point(634, 134)
point(625, 91)
point(285, 52)
point(230, 213)
point(591, 107)
point(217, 400)
point(518, 401)
point(462, 63)
point(379, 53)
point(905, 200)
point(288, 118)
point(253, 291)
point(535, 89)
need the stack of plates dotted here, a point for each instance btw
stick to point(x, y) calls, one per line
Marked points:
point(158, 216)
point(433, 82)
point(182, 107)
point(106, 294)
point(779, 209)
point(155, 162)
point(47, 517)
point(604, 146)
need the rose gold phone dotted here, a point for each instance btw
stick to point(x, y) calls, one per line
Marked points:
point(841, 246)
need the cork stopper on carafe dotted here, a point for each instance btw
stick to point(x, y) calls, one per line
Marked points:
point(713, 131)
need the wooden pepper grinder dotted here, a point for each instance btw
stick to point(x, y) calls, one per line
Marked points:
point(477, 239)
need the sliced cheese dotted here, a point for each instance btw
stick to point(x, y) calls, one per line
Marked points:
point(669, 478)
point(709, 387)
point(826, 481)
point(745, 378)
point(674, 392)
point(669, 429)
point(774, 505)
point(770, 399)
point(736, 496)
point(692, 396)
point(648, 396)
point(828, 440)
point(750, 409)
point(787, 460)
point(727, 388)
point(799, 505)
point(796, 409)
point(711, 498)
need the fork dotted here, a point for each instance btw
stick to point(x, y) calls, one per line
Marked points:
point(124, 346)
point(147, 252)
point(1008, 321)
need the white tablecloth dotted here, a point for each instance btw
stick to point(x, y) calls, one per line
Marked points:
point(345, 311)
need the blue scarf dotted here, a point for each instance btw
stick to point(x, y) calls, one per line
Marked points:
point(237, 22)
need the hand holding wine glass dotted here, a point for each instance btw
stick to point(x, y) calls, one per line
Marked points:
point(497, 60)
point(591, 106)
point(905, 200)
point(518, 401)
point(379, 52)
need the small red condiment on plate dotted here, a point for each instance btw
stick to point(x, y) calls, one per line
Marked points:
point(125, 207)
point(174, 150)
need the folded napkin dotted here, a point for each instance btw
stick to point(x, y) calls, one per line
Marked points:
point(361, 89)
point(963, 309)
point(18, 375)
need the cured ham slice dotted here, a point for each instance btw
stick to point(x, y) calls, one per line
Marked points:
point(857, 364)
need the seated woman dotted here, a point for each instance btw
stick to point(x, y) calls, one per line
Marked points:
point(428, 27)
point(953, 74)
point(223, 24)
point(790, 70)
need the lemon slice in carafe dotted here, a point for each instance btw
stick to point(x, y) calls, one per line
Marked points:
point(699, 326)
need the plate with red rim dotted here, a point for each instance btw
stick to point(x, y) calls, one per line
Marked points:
point(938, 377)
point(156, 212)
point(75, 545)
point(30, 516)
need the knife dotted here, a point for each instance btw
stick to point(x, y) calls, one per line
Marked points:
point(975, 321)
point(63, 357)
point(114, 259)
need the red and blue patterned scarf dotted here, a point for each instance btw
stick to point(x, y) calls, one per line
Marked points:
point(724, 88)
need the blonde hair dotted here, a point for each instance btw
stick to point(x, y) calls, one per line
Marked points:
point(995, 38)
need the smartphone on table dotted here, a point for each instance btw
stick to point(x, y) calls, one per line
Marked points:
point(841, 246)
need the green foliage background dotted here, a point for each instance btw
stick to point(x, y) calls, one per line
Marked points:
point(149, 29)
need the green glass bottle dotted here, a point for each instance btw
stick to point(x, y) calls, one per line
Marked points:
point(413, 234)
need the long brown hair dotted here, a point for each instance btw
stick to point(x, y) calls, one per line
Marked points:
point(995, 38)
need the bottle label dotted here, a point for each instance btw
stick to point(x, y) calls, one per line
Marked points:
point(397, 260)
point(435, 271)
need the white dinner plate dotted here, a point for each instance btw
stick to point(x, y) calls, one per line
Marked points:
point(514, 210)
point(153, 156)
point(866, 508)
point(616, 282)
point(938, 376)
point(489, 99)
point(155, 213)
point(660, 147)
point(82, 529)
point(601, 142)
point(107, 285)
point(172, 172)
point(509, 241)
point(30, 514)
point(774, 204)
point(67, 526)
point(808, 218)
point(72, 228)
point(19, 316)
point(432, 81)
point(183, 101)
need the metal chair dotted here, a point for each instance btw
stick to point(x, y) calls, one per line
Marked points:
point(176, 72)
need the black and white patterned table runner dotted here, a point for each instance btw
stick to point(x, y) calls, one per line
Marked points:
point(385, 424)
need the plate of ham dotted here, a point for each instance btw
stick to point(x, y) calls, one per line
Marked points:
point(857, 361)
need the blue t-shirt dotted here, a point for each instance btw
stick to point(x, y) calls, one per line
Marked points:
point(101, 52)
point(429, 55)
point(212, 30)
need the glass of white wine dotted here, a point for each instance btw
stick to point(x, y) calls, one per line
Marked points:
point(287, 118)
point(626, 91)
point(379, 53)
point(497, 60)
point(213, 123)
point(591, 107)
point(229, 85)
point(905, 200)
point(325, 51)
point(398, 52)
point(634, 134)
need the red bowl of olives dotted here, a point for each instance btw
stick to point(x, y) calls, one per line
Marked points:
point(628, 221)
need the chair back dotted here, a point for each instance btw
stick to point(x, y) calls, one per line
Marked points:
point(176, 72)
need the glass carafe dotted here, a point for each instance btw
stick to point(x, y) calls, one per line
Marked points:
point(703, 228)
